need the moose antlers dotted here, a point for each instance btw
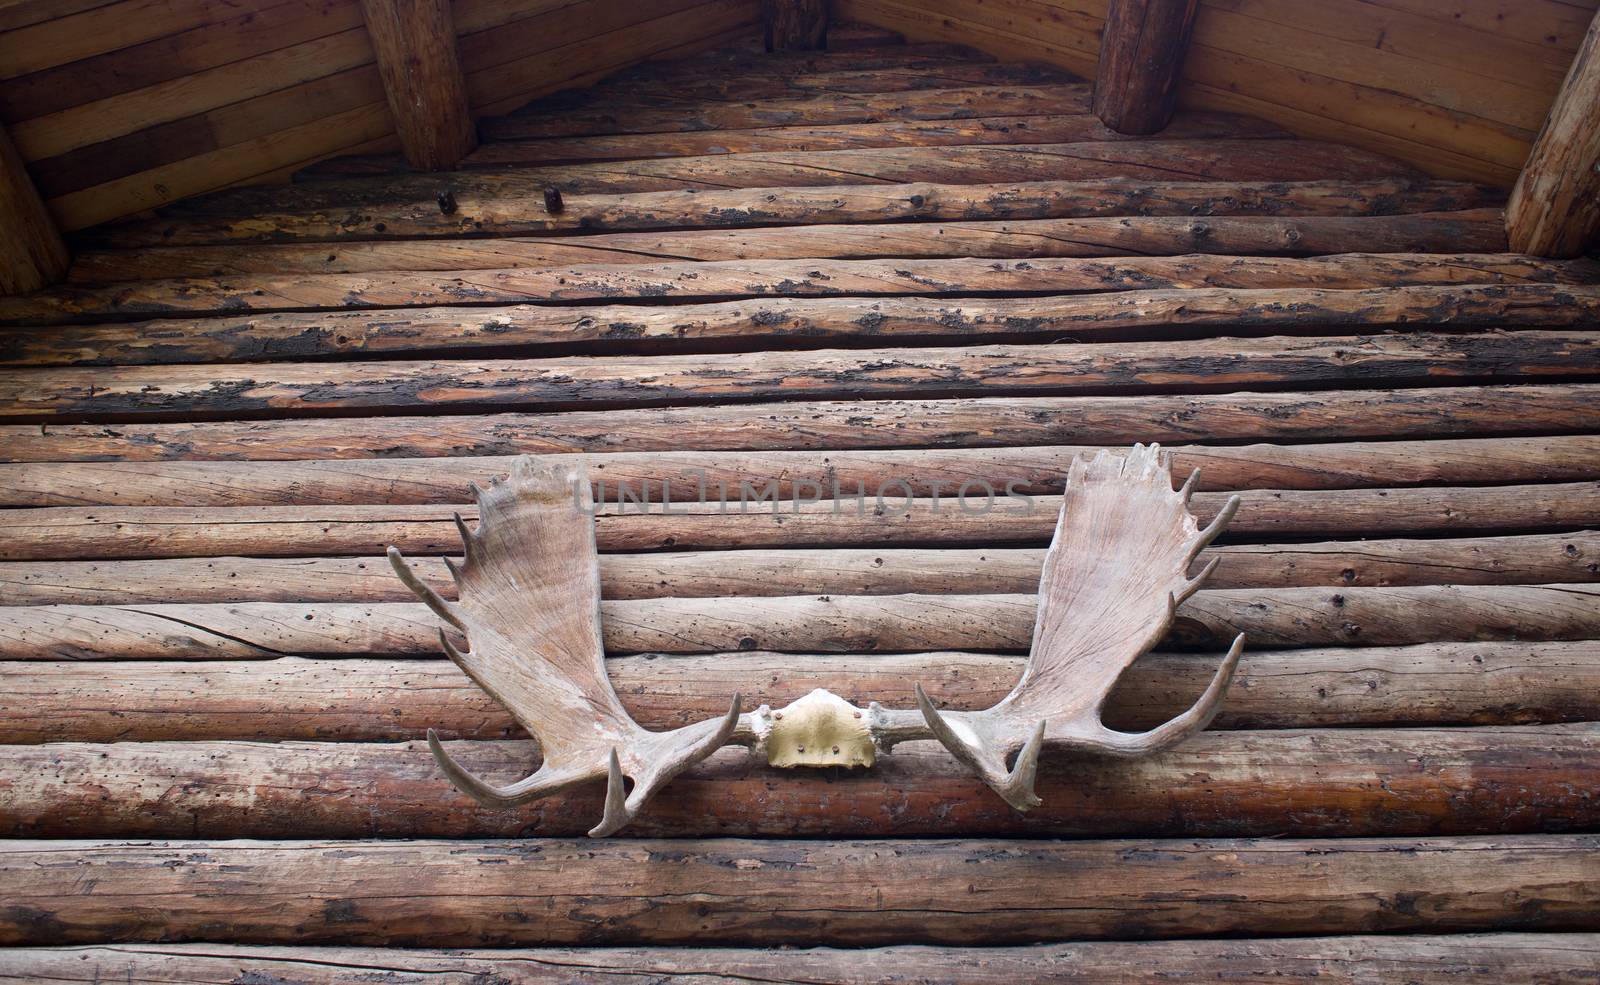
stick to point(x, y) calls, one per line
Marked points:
point(1113, 577)
point(529, 606)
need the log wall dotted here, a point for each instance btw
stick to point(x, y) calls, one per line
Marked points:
point(120, 107)
point(1458, 89)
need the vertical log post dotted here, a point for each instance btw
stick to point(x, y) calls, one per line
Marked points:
point(1554, 209)
point(32, 253)
point(1141, 60)
point(415, 43)
point(795, 25)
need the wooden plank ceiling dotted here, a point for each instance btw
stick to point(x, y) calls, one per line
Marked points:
point(887, 263)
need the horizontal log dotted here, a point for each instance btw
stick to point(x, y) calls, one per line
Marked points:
point(1019, 159)
point(838, 107)
point(1335, 783)
point(980, 422)
point(497, 168)
point(830, 623)
point(972, 479)
point(301, 388)
point(910, 76)
point(788, 892)
point(306, 239)
point(359, 699)
point(1517, 560)
point(694, 280)
point(60, 533)
point(798, 322)
point(1445, 959)
point(504, 207)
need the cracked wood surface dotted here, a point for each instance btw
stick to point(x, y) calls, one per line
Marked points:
point(835, 623)
point(1529, 559)
point(62, 533)
point(800, 322)
point(1336, 783)
point(395, 700)
point(1445, 959)
point(714, 280)
point(863, 893)
point(1433, 412)
point(555, 383)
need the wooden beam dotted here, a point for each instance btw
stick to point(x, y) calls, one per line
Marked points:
point(686, 477)
point(802, 322)
point(1300, 783)
point(1555, 206)
point(1470, 959)
point(415, 44)
point(64, 533)
point(32, 252)
point(306, 389)
point(1516, 560)
point(1141, 61)
point(1289, 415)
point(630, 890)
point(795, 25)
point(359, 699)
point(1209, 620)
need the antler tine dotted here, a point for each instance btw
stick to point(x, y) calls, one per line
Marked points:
point(984, 754)
point(1174, 730)
point(1215, 527)
point(620, 810)
point(444, 610)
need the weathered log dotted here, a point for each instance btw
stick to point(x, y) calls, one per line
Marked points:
point(802, 322)
point(305, 388)
point(787, 83)
point(1025, 239)
point(829, 623)
point(1141, 61)
point(32, 252)
point(795, 892)
point(1466, 959)
point(359, 699)
point(968, 162)
point(1338, 783)
point(1555, 206)
point(976, 210)
point(1516, 560)
point(690, 281)
point(361, 178)
point(54, 533)
point(980, 422)
point(970, 479)
point(840, 107)
point(414, 42)
point(795, 25)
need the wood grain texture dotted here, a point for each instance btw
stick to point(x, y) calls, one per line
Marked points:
point(1445, 959)
point(32, 252)
point(800, 323)
point(395, 700)
point(1510, 560)
point(795, 25)
point(1308, 783)
point(1322, 415)
point(414, 42)
point(303, 388)
point(68, 533)
point(663, 282)
point(972, 479)
point(1277, 617)
point(1555, 206)
point(1142, 49)
point(856, 893)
